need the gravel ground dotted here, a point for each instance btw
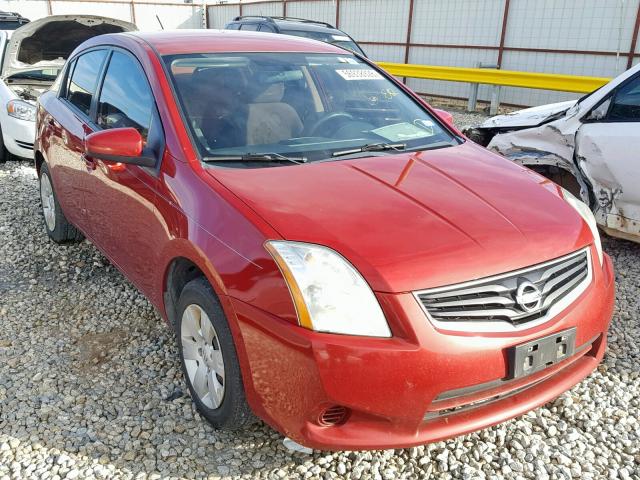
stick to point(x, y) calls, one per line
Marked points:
point(90, 385)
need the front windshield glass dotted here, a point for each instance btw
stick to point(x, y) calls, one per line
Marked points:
point(44, 74)
point(305, 106)
point(12, 24)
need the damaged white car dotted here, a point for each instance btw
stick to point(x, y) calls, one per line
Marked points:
point(32, 58)
point(590, 146)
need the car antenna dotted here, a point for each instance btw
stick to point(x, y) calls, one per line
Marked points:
point(158, 18)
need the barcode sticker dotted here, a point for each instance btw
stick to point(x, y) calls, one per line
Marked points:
point(359, 74)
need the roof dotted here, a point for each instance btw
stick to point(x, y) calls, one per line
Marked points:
point(211, 41)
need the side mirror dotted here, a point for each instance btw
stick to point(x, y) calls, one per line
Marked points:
point(445, 116)
point(122, 145)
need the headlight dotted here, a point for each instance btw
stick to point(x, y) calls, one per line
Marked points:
point(329, 294)
point(585, 212)
point(21, 110)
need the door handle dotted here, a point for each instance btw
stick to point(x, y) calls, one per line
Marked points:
point(89, 162)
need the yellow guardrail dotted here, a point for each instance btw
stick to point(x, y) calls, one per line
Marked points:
point(492, 76)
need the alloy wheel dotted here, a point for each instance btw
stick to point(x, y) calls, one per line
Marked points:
point(202, 356)
point(48, 202)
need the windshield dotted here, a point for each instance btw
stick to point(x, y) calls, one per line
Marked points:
point(341, 40)
point(308, 106)
point(12, 24)
point(44, 74)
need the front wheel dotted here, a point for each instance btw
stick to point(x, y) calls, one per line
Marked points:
point(209, 359)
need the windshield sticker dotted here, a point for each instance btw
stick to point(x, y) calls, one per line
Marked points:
point(404, 131)
point(350, 60)
point(359, 74)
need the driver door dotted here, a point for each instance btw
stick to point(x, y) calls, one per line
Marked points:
point(607, 147)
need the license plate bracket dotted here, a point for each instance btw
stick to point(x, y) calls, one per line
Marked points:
point(531, 357)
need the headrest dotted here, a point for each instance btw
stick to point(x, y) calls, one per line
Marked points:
point(273, 93)
point(217, 77)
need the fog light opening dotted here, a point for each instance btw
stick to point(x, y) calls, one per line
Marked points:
point(333, 415)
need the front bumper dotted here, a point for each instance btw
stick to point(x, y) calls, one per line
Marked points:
point(421, 386)
point(18, 136)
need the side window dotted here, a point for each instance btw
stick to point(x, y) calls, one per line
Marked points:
point(267, 28)
point(67, 80)
point(233, 26)
point(626, 103)
point(84, 79)
point(125, 99)
point(250, 26)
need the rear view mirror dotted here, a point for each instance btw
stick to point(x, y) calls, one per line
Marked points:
point(445, 116)
point(123, 145)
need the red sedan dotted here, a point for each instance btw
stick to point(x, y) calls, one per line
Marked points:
point(334, 256)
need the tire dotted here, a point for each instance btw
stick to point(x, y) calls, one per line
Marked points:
point(200, 352)
point(4, 154)
point(55, 223)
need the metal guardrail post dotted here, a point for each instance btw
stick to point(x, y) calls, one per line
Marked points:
point(495, 99)
point(473, 94)
point(473, 91)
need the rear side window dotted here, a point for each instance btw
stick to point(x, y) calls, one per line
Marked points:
point(125, 99)
point(84, 79)
point(67, 79)
point(250, 26)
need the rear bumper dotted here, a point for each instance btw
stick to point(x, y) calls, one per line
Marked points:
point(418, 387)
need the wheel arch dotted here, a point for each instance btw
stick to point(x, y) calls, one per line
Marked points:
point(180, 271)
point(183, 265)
point(39, 160)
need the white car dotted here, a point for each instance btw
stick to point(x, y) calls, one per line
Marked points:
point(590, 146)
point(32, 57)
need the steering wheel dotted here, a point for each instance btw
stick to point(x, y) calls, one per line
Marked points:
point(321, 124)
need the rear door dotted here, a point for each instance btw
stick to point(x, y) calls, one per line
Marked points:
point(120, 198)
point(607, 147)
point(68, 130)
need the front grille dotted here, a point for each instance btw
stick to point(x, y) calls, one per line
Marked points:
point(584, 349)
point(480, 403)
point(513, 299)
point(24, 144)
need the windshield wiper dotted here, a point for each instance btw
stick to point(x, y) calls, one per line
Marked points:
point(371, 147)
point(256, 157)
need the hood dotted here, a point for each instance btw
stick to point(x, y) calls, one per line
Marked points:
point(416, 220)
point(529, 117)
point(48, 41)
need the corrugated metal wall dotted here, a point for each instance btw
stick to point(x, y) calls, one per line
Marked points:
point(222, 14)
point(321, 10)
point(579, 37)
point(264, 8)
